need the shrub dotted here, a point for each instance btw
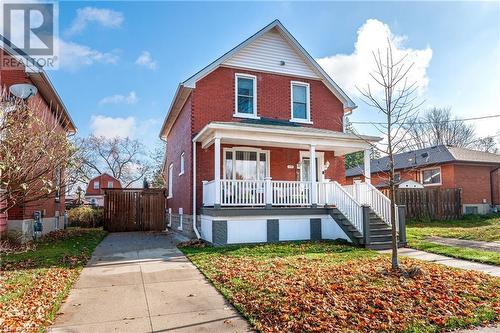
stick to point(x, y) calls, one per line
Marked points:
point(85, 217)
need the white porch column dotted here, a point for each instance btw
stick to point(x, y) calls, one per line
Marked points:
point(268, 190)
point(314, 186)
point(367, 172)
point(217, 172)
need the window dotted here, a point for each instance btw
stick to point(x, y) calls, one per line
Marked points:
point(96, 185)
point(431, 176)
point(110, 184)
point(246, 96)
point(170, 180)
point(397, 177)
point(182, 165)
point(471, 210)
point(300, 102)
point(246, 163)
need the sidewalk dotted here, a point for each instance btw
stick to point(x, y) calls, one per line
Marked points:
point(472, 244)
point(447, 261)
point(140, 282)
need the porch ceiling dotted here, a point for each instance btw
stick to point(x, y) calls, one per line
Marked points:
point(251, 134)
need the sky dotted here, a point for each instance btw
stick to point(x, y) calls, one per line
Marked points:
point(121, 61)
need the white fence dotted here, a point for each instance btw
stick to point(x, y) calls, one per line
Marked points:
point(209, 193)
point(242, 192)
point(291, 193)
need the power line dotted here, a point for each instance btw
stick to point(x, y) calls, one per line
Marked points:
point(425, 122)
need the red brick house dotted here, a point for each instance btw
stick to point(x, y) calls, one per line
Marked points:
point(96, 186)
point(13, 70)
point(243, 135)
point(476, 173)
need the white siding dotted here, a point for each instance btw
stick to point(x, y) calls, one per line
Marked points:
point(249, 231)
point(295, 229)
point(331, 230)
point(266, 53)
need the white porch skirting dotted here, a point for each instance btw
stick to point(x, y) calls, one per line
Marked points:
point(269, 228)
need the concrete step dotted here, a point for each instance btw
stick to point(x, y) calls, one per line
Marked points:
point(380, 246)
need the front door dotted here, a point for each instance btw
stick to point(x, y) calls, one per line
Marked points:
point(305, 169)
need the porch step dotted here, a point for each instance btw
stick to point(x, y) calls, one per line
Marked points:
point(383, 246)
point(375, 232)
point(380, 238)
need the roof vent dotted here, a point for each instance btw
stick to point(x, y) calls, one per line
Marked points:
point(282, 62)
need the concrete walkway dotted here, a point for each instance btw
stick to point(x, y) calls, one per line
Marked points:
point(447, 261)
point(485, 246)
point(140, 282)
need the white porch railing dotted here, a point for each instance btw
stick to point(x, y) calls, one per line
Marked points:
point(242, 192)
point(367, 194)
point(291, 193)
point(209, 193)
point(347, 204)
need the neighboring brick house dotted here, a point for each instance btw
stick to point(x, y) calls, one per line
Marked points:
point(476, 173)
point(243, 136)
point(96, 186)
point(13, 70)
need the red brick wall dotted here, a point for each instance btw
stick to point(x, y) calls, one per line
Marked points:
point(178, 142)
point(474, 180)
point(103, 183)
point(213, 99)
point(13, 75)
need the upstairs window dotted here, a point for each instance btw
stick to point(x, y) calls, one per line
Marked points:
point(431, 176)
point(300, 102)
point(246, 96)
point(110, 184)
point(96, 185)
point(182, 164)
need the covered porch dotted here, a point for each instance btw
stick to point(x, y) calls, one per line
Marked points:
point(245, 161)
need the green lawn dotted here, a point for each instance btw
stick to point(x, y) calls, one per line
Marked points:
point(325, 286)
point(480, 228)
point(34, 283)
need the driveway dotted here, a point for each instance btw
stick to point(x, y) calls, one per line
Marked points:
point(140, 282)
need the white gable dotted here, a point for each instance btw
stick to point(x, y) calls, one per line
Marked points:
point(266, 54)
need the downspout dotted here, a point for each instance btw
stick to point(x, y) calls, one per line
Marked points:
point(194, 191)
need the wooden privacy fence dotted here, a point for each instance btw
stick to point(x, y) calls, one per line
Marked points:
point(134, 210)
point(433, 203)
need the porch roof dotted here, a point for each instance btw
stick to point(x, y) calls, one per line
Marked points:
point(286, 136)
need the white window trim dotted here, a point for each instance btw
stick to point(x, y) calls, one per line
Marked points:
point(245, 115)
point(440, 176)
point(308, 102)
point(110, 182)
point(181, 164)
point(170, 181)
point(235, 149)
point(96, 182)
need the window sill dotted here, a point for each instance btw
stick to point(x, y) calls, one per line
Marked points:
point(439, 184)
point(243, 115)
point(301, 121)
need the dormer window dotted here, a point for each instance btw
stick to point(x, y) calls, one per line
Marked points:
point(300, 105)
point(246, 96)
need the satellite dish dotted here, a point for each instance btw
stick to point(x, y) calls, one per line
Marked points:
point(23, 90)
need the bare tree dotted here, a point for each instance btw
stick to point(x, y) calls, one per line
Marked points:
point(34, 151)
point(157, 175)
point(437, 126)
point(398, 102)
point(123, 158)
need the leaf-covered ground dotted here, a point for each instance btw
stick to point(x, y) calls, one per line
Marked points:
point(34, 283)
point(474, 227)
point(327, 287)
